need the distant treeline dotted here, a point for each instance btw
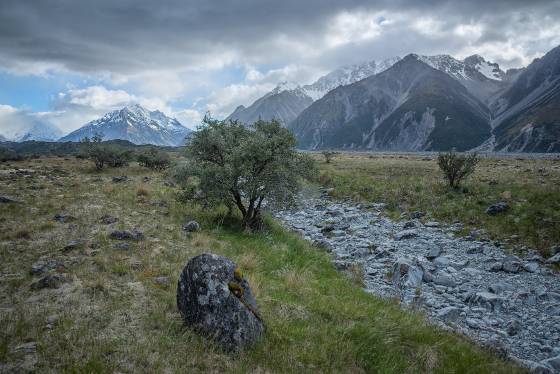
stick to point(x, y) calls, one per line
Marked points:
point(30, 149)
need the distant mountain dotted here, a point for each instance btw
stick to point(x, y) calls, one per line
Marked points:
point(283, 103)
point(3, 139)
point(409, 107)
point(41, 131)
point(527, 114)
point(286, 101)
point(135, 124)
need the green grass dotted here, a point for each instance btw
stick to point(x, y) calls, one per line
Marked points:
point(113, 316)
point(412, 183)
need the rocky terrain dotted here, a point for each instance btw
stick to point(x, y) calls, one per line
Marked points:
point(471, 285)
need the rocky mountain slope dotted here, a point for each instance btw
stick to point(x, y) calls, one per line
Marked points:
point(410, 106)
point(288, 100)
point(135, 124)
point(438, 103)
point(527, 114)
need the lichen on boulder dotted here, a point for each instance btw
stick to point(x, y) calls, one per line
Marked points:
point(215, 299)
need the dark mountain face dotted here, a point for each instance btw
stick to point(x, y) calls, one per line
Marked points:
point(527, 118)
point(410, 106)
point(135, 124)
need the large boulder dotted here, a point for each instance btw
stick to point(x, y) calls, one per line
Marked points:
point(215, 299)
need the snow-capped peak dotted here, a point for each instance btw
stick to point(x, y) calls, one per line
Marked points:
point(489, 69)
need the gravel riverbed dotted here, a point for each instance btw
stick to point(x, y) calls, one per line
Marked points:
point(467, 284)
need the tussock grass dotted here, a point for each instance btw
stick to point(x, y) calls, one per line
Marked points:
point(113, 317)
point(414, 183)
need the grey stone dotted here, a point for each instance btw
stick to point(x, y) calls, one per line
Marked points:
point(514, 327)
point(433, 253)
point(127, 235)
point(122, 246)
point(8, 200)
point(444, 280)
point(122, 178)
point(432, 224)
point(500, 207)
point(475, 250)
point(553, 362)
point(417, 215)
point(63, 218)
point(108, 219)
point(485, 299)
point(406, 234)
point(554, 259)
point(441, 261)
point(531, 267)
point(43, 266)
point(216, 301)
point(162, 281)
point(191, 226)
point(49, 281)
point(511, 265)
point(449, 314)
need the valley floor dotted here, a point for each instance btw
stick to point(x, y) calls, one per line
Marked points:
point(74, 300)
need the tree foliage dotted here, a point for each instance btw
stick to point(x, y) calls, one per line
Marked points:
point(154, 159)
point(246, 168)
point(456, 167)
point(329, 155)
point(104, 154)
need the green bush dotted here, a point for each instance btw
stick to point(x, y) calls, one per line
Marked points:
point(7, 154)
point(456, 167)
point(103, 154)
point(245, 167)
point(154, 159)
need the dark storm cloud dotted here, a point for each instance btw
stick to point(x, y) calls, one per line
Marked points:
point(133, 36)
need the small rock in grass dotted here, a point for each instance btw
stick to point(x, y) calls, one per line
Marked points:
point(49, 281)
point(63, 218)
point(191, 226)
point(122, 246)
point(500, 207)
point(417, 215)
point(122, 178)
point(108, 219)
point(163, 281)
point(8, 200)
point(127, 235)
point(43, 266)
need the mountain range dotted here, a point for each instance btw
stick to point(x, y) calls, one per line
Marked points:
point(424, 103)
point(287, 100)
point(135, 124)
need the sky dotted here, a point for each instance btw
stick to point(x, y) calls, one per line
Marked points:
point(66, 62)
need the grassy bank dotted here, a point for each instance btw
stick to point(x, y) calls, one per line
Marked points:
point(410, 183)
point(117, 310)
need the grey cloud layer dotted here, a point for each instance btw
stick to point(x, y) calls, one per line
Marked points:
point(134, 36)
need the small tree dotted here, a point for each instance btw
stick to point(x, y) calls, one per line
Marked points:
point(329, 155)
point(103, 154)
point(456, 167)
point(154, 159)
point(246, 167)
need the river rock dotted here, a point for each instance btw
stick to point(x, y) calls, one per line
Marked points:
point(215, 299)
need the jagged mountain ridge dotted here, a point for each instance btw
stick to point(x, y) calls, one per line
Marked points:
point(409, 107)
point(517, 110)
point(135, 124)
point(287, 100)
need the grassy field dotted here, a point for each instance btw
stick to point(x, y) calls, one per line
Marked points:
point(116, 311)
point(408, 183)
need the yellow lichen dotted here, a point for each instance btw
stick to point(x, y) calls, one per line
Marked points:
point(236, 289)
point(237, 274)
